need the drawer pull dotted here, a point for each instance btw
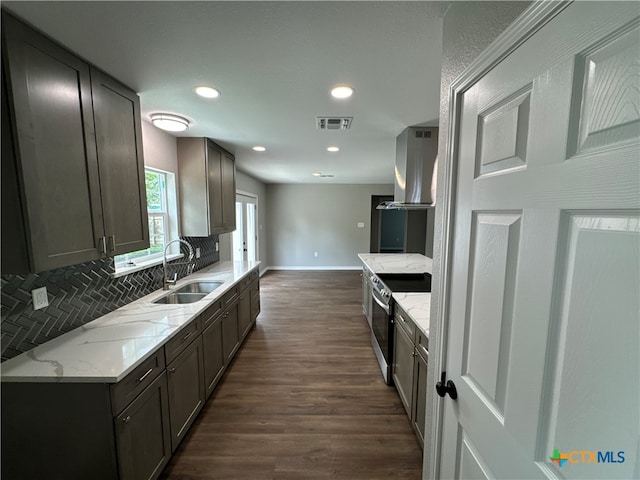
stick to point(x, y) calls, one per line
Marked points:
point(126, 419)
point(188, 335)
point(172, 370)
point(145, 375)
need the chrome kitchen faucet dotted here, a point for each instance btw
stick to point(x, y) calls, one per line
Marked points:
point(190, 265)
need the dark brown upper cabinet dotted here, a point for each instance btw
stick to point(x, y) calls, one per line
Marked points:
point(73, 173)
point(207, 188)
point(116, 110)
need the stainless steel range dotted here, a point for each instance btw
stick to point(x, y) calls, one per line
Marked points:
point(382, 287)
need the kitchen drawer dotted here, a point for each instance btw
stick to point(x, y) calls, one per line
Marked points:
point(244, 283)
point(254, 275)
point(211, 313)
point(422, 344)
point(183, 338)
point(126, 390)
point(402, 319)
point(231, 295)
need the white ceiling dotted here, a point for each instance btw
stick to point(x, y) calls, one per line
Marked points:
point(274, 63)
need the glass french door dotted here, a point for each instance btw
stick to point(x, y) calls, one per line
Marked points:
point(245, 236)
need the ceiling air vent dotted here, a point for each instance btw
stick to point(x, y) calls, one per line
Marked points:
point(333, 123)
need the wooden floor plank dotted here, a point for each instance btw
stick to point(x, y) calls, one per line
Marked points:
point(304, 398)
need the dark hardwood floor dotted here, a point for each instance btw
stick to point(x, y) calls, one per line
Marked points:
point(304, 398)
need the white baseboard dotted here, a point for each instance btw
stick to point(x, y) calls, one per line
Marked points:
point(325, 268)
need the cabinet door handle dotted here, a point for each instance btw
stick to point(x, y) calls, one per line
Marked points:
point(172, 370)
point(145, 375)
point(103, 244)
point(126, 419)
point(112, 241)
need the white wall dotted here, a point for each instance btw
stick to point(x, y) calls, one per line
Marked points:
point(308, 218)
point(160, 151)
point(160, 148)
point(468, 28)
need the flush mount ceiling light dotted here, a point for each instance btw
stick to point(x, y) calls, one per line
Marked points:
point(169, 122)
point(333, 149)
point(259, 148)
point(342, 91)
point(207, 92)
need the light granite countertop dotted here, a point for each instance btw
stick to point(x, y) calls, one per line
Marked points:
point(396, 262)
point(105, 350)
point(418, 306)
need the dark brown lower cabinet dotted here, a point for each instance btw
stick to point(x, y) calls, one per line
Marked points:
point(419, 395)
point(230, 338)
point(409, 369)
point(244, 313)
point(213, 355)
point(255, 298)
point(142, 434)
point(186, 390)
point(402, 368)
point(75, 431)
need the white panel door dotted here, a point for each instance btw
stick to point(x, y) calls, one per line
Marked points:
point(245, 236)
point(544, 283)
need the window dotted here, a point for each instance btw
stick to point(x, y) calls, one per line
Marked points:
point(161, 207)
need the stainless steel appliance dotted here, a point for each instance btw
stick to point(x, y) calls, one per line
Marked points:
point(367, 299)
point(416, 169)
point(382, 311)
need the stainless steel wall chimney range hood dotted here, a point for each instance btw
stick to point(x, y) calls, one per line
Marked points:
point(416, 169)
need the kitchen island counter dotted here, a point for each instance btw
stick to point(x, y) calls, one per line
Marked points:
point(105, 350)
point(396, 262)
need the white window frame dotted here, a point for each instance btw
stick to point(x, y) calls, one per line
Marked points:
point(133, 261)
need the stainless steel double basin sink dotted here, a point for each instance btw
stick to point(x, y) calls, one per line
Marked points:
point(189, 293)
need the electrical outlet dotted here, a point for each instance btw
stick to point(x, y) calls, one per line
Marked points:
point(315, 254)
point(40, 298)
point(360, 224)
point(197, 252)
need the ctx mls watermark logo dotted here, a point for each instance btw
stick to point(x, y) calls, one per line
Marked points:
point(586, 456)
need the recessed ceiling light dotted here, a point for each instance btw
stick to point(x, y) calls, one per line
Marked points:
point(207, 92)
point(323, 175)
point(170, 122)
point(333, 149)
point(259, 148)
point(342, 91)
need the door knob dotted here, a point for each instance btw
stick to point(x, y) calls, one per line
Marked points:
point(445, 386)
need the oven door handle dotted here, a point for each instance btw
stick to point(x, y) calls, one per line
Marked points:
point(379, 302)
